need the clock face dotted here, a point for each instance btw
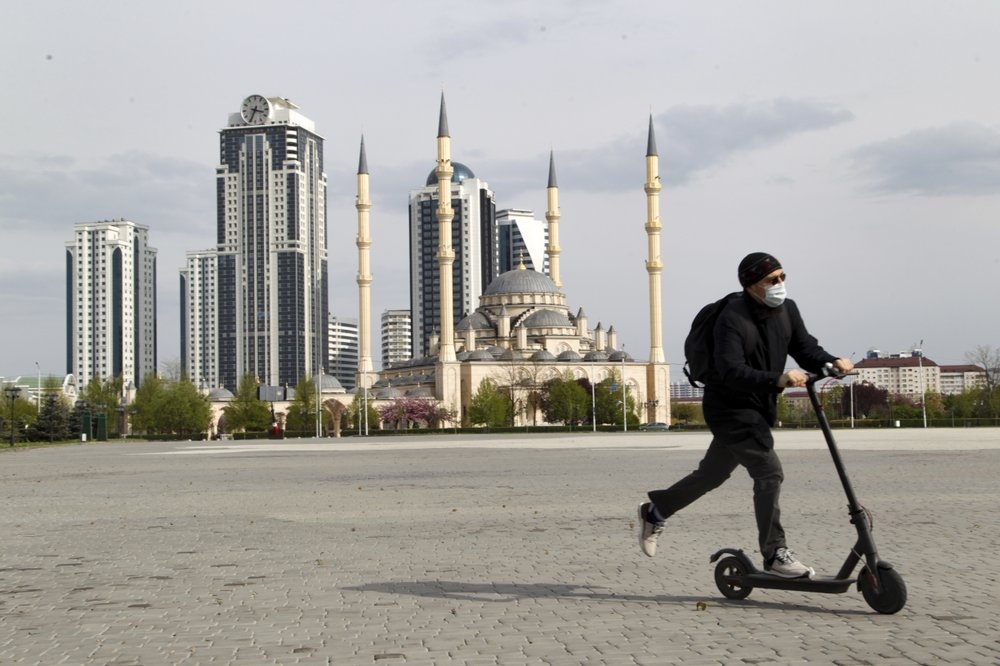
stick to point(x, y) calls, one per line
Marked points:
point(255, 109)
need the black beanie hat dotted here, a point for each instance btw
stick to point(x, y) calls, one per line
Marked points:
point(755, 266)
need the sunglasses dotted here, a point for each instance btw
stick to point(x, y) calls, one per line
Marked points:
point(775, 280)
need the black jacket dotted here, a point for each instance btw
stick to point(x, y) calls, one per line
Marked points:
point(752, 344)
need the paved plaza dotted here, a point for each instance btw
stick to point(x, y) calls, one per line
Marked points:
point(486, 550)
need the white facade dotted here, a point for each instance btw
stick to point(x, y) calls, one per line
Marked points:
point(111, 308)
point(957, 379)
point(396, 336)
point(199, 296)
point(522, 236)
point(912, 375)
point(344, 343)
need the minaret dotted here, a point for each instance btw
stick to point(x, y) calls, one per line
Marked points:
point(657, 371)
point(445, 253)
point(654, 265)
point(552, 217)
point(365, 376)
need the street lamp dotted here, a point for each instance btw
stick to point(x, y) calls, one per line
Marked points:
point(12, 392)
point(923, 389)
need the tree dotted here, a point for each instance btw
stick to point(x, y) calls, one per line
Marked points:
point(686, 412)
point(354, 417)
point(104, 397)
point(567, 402)
point(404, 412)
point(303, 410)
point(870, 401)
point(489, 406)
point(988, 359)
point(149, 400)
point(247, 412)
point(54, 418)
point(170, 407)
point(187, 411)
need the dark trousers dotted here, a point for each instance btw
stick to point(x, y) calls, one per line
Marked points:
point(735, 444)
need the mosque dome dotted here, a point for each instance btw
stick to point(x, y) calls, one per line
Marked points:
point(619, 356)
point(475, 321)
point(330, 384)
point(480, 355)
point(461, 172)
point(220, 395)
point(546, 318)
point(543, 355)
point(569, 356)
point(522, 281)
point(595, 356)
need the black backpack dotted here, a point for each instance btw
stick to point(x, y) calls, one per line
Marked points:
point(699, 345)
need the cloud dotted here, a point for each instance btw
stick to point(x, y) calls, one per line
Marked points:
point(51, 193)
point(690, 140)
point(958, 159)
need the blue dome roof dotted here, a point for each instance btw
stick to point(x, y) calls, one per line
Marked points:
point(461, 173)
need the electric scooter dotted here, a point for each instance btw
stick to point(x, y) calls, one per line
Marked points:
point(881, 585)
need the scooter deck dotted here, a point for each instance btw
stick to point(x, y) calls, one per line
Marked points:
point(770, 581)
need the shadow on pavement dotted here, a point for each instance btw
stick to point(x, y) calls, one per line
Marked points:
point(509, 592)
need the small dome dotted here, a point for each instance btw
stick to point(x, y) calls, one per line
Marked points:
point(595, 356)
point(543, 355)
point(461, 172)
point(476, 321)
point(220, 395)
point(568, 355)
point(330, 384)
point(389, 393)
point(546, 318)
point(510, 355)
point(619, 356)
point(520, 281)
point(420, 392)
point(495, 351)
point(480, 355)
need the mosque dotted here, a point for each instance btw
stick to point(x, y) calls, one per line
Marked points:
point(523, 333)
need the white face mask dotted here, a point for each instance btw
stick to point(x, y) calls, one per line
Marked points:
point(774, 295)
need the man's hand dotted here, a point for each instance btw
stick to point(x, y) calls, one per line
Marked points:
point(843, 365)
point(792, 378)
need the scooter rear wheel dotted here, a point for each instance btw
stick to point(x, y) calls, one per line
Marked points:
point(891, 595)
point(728, 574)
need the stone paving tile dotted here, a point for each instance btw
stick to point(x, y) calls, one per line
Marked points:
point(505, 555)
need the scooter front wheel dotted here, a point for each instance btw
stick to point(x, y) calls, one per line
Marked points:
point(729, 577)
point(890, 597)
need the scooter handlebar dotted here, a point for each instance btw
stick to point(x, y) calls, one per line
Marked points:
point(829, 370)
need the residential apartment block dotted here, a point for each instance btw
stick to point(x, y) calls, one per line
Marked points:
point(110, 302)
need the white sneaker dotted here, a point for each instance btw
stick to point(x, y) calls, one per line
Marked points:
point(649, 531)
point(785, 565)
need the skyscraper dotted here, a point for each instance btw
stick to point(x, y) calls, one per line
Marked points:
point(522, 237)
point(344, 350)
point(473, 240)
point(397, 337)
point(270, 294)
point(110, 302)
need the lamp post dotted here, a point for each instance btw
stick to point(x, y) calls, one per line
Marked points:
point(12, 392)
point(624, 395)
point(38, 389)
point(923, 388)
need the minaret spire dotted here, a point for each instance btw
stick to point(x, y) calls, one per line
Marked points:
point(654, 264)
point(445, 253)
point(552, 217)
point(657, 370)
point(365, 376)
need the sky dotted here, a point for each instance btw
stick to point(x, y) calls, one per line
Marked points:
point(858, 142)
